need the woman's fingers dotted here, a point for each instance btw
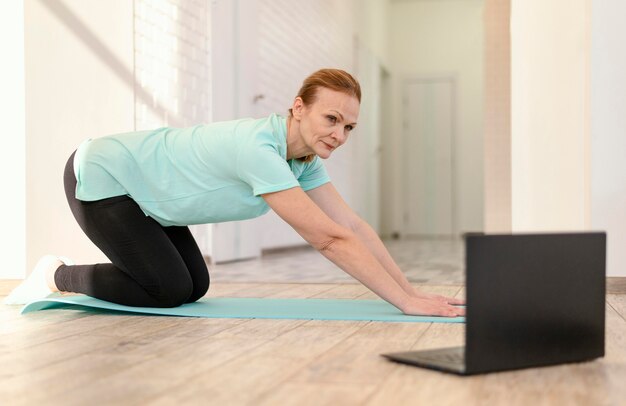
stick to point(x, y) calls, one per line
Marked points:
point(454, 301)
point(432, 307)
point(449, 300)
point(460, 311)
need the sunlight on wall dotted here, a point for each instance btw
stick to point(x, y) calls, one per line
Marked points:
point(12, 167)
point(172, 62)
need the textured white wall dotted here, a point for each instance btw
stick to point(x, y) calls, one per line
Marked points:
point(172, 63)
point(608, 129)
point(12, 165)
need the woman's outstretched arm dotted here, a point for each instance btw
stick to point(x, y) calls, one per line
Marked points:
point(345, 249)
point(329, 200)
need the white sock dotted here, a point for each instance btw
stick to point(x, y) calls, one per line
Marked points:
point(35, 286)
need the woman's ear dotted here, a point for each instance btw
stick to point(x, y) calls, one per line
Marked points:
point(297, 107)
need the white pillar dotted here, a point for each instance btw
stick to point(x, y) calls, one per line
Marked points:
point(12, 163)
point(497, 116)
point(550, 125)
point(608, 129)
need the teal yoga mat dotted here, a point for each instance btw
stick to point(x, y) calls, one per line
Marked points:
point(253, 308)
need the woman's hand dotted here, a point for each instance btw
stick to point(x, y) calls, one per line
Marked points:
point(416, 306)
point(449, 300)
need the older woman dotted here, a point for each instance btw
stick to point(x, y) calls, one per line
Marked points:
point(134, 194)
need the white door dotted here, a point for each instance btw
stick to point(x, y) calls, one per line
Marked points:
point(429, 181)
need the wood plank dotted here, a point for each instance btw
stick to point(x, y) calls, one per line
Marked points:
point(120, 354)
point(447, 290)
point(261, 290)
point(179, 366)
point(220, 289)
point(7, 315)
point(301, 290)
point(343, 291)
point(263, 368)
point(613, 371)
point(131, 333)
point(179, 360)
point(304, 394)
point(616, 285)
point(565, 384)
point(358, 360)
point(51, 328)
point(339, 291)
point(616, 329)
point(37, 320)
point(406, 384)
point(22, 362)
point(354, 362)
point(618, 303)
point(113, 358)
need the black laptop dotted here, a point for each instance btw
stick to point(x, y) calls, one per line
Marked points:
point(532, 300)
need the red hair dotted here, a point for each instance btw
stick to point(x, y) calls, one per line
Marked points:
point(333, 79)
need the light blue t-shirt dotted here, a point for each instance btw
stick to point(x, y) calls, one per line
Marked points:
point(209, 173)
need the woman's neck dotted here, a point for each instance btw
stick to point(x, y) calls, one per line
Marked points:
point(295, 146)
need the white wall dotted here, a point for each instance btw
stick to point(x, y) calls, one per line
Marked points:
point(432, 38)
point(608, 128)
point(12, 164)
point(79, 84)
point(550, 114)
point(371, 27)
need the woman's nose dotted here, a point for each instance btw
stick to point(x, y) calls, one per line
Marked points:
point(340, 136)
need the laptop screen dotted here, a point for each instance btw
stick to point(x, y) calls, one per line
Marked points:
point(534, 299)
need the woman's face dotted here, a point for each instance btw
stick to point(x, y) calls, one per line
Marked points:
point(326, 123)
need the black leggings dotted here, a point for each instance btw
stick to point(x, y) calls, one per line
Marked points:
point(152, 265)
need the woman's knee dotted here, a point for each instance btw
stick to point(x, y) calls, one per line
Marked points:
point(175, 295)
point(200, 288)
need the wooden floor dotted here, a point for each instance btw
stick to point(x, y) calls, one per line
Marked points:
point(71, 357)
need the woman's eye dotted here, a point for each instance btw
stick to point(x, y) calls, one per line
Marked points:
point(349, 127)
point(332, 119)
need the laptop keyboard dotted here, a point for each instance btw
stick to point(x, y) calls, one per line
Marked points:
point(447, 357)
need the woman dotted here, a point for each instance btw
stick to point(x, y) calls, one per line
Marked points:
point(134, 194)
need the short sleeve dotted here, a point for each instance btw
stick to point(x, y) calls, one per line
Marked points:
point(264, 169)
point(313, 175)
